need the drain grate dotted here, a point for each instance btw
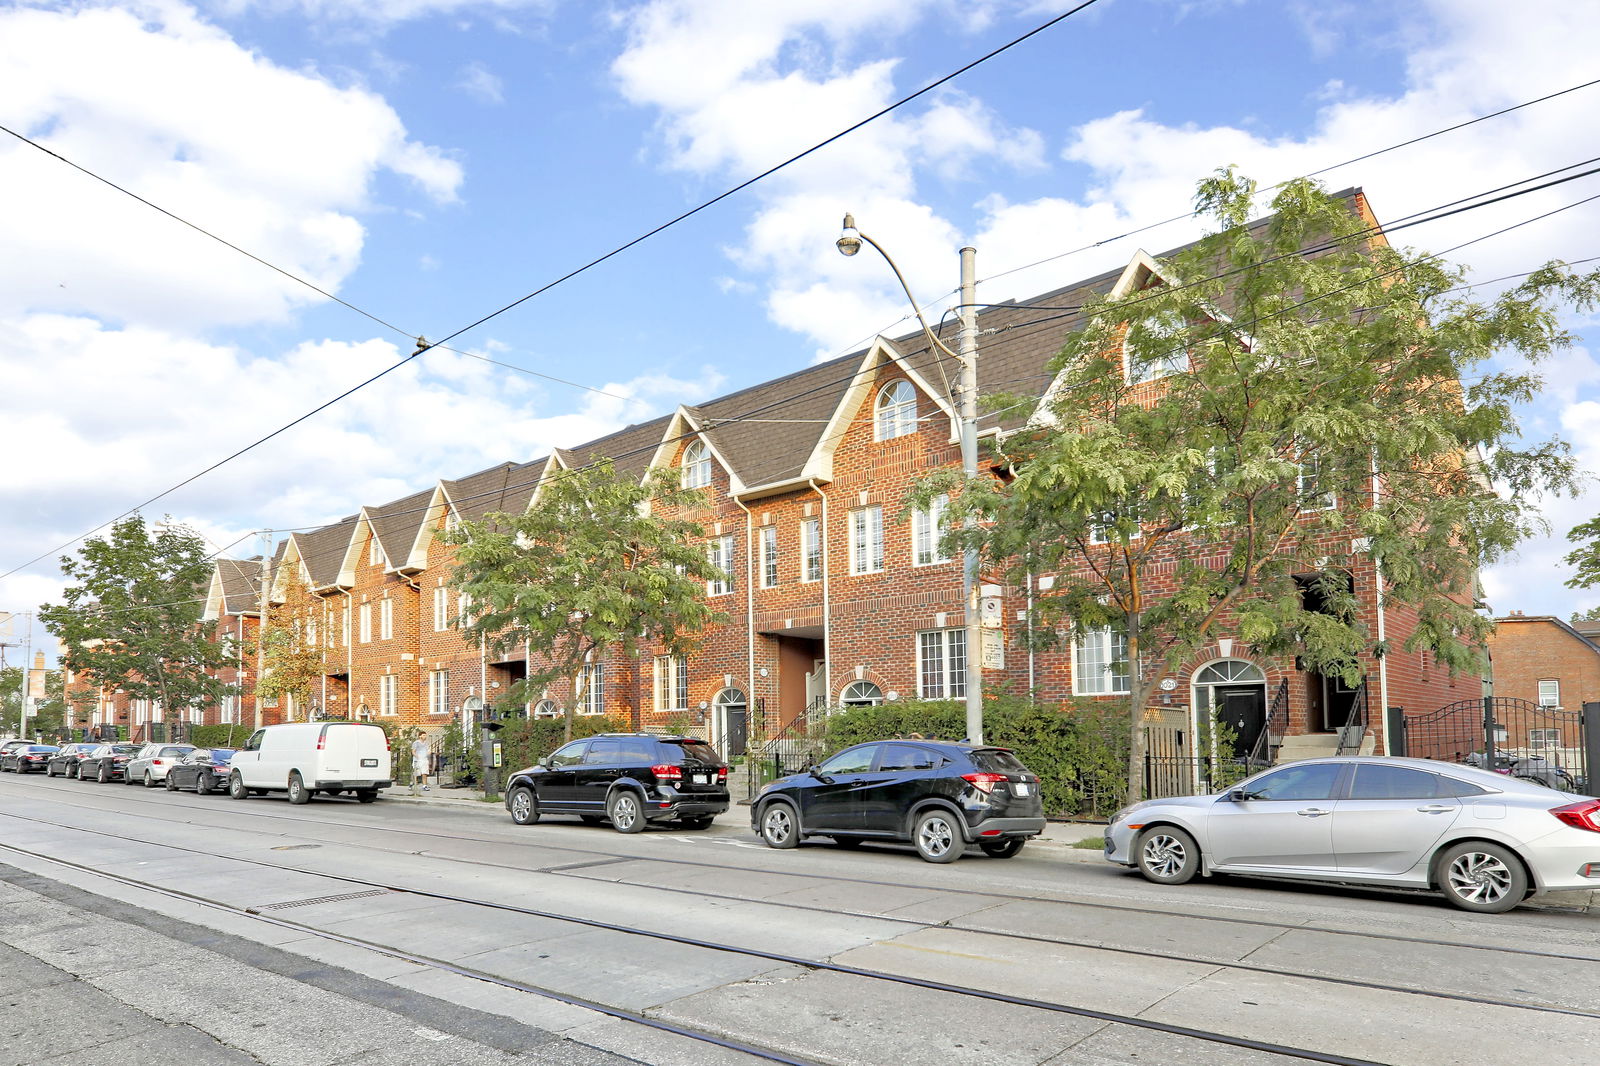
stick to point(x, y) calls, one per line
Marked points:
point(324, 899)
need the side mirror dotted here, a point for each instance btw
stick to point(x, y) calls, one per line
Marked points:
point(818, 774)
point(1237, 795)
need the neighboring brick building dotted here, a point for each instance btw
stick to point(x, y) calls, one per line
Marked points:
point(835, 596)
point(1549, 663)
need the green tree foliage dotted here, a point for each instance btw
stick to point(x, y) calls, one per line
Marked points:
point(1313, 406)
point(596, 565)
point(130, 619)
point(293, 657)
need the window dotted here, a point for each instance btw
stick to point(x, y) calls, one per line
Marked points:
point(1549, 693)
point(571, 755)
point(696, 465)
point(861, 694)
point(769, 556)
point(1155, 349)
point(1313, 492)
point(366, 623)
point(546, 709)
point(897, 410)
point(672, 683)
point(1376, 782)
point(386, 620)
point(906, 757)
point(1100, 663)
point(866, 540)
point(1544, 738)
point(1313, 781)
point(438, 692)
point(441, 609)
point(850, 761)
point(1103, 527)
point(374, 552)
point(942, 664)
point(388, 695)
point(593, 679)
point(464, 608)
point(925, 528)
point(720, 554)
point(811, 549)
point(311, 631)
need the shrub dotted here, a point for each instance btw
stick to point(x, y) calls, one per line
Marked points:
point(220, 736)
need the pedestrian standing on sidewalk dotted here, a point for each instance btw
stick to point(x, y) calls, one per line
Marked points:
point(421, 758)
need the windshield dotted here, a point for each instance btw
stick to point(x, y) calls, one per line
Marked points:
point(998, 761)
point(221, 754)
point(697, 751)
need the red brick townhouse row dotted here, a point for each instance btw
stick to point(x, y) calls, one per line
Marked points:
point(834, 597)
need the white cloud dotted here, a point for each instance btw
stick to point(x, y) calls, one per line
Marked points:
point(478, 81)
point(381, 13)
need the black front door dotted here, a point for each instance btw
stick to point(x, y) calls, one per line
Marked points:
point(1243, 711)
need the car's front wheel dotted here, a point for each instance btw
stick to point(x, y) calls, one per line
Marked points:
point(524, 809)
point(1168, 855)
point(625, 813)
point(1482, 877)
point(780, 827)
point(937, 837)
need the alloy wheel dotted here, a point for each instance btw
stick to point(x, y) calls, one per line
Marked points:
point(1479, 878)
point(1164, 855)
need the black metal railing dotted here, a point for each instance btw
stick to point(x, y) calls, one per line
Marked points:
point(798, 743)
point(1354, 729)
point(1276, 721)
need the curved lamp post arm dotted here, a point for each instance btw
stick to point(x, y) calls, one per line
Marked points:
point(850, 243)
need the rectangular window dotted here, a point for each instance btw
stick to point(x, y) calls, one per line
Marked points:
point(1544, 738)
point(811, 549)
point(311, 631)
point(366, 623)
point(866, 540)
point(1314, 494)
point(386, 620)
point(1100, 663)
point(672, 683)
point(942, 664)
point(594, 689)
point(769, 556)
point(1549, 693)
point(388, 695)
point(441, 609)
point(464, 608)
point(925, 529)
point(439, 692)
point(374, 552)
point(719, 552)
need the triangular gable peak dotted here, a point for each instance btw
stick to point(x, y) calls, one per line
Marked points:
point(236, 575)
point(439, 510)
point(684, 424)
point(216, 602)
point(292, 561)
point(359, 534)
point(859, 394)
point(560, 462)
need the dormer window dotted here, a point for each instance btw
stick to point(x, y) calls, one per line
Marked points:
point(896, 410)
point(696, 465)
point(1156, 349)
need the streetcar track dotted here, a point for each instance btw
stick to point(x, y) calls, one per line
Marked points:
point(770, 1054)
point(609, 858)
point(1217, 964)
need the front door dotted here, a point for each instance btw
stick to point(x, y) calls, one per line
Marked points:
point(1284, 822)
point(1243, 711)
point(557, 784)
point(836, 803)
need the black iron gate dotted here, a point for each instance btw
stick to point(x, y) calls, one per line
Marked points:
point(1514, 736)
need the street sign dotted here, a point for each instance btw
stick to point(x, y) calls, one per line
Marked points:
point(994, 650)
point(989, 612)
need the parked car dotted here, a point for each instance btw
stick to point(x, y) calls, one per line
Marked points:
point(27, 758)
point(938, 795)
point(66, 761)
point(628, 779)
point(1484, 840)
point(304, 758)
point(204, 770)
point(150, 766)
point(108, 762)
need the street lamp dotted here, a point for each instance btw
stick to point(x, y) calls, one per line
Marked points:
point(849, 243)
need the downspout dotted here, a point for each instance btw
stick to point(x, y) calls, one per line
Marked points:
point(423, 706)
point(324, 707)
point(749, 607)
point(827, 612)
point(349, 655)
point(1031, 682)
point(1383, 663)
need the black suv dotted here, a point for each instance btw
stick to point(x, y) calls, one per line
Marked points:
point(626, 778)
point(940, 796)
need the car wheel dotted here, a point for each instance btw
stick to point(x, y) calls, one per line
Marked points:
point(1482, 877)
point(1002, 849)
point(298, 792)
point(49, 771)
point(150, 779)
point(366, 795)
point(937, 837)
point(1168, 855)
point(103, 776)
point(780, 826)
point(236, 789)
point(625, 813)
point(524, 808)
point(202, 786)
point(847, 842)
point(172, 783)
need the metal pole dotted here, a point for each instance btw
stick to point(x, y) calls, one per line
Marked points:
point(970, 583)
point(1488, 724)
point(261, 626)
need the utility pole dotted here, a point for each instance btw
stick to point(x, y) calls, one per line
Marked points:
point(261, 623)
point(971, 587)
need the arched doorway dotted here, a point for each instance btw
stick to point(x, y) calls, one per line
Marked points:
point(471, 709)
point(1234, 692)
point(730, 723)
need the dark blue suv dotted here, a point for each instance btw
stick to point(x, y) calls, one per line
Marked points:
point(627, 779)
point(939, 796)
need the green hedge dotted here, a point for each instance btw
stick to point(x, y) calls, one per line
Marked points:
point(1079, 751)
point(220, 736)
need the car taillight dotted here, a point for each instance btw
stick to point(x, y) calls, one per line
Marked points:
point(722, 775)
point(1585, 814)
point(322, 740)
point(667, 772)
point(984, 782)
point(157, 762)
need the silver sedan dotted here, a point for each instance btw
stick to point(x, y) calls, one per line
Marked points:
point(150, 766)
point(1484, 840)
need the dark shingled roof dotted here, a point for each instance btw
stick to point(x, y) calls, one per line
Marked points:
point(395, 524)
point(239, 585)
point(323, 551)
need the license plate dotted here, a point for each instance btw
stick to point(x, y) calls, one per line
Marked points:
point(369, 762)
point(1020, 788)
point(702, 779)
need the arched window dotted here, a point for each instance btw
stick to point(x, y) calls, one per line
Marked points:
point(861, 694)
point(696, 465)
point(1229, 672)
point(546, 709)
point(897, 410)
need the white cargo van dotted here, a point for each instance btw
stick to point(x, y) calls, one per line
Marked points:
point(304, 758)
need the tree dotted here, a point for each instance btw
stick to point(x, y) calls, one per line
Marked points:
point(11, 701)
point(294, 661)
point(597, 565)
point(1591, 615)
point(1308, 405)
point(131, 619)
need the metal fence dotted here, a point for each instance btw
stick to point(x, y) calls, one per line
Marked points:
point(1550, 745)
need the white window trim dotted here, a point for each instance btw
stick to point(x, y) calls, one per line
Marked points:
point(866, 540)
point(364, 619)
point(1165, 367)
point(696, 465)
point(1108, 679)
point(439, 692)
point(926, 533)
point(894, 415)
point(1304, 493)
point(441, 609)
point(388, 695)
point(671, 692)
point(386, 619)
point(1555, 684)
point(810, 545)
point(719, 552)
point(949, 688)
point(594, 690)
point(769, 557)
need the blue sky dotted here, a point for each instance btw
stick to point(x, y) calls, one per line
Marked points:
point(432, 160)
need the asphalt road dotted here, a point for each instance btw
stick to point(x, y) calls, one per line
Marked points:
point(144, 926)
